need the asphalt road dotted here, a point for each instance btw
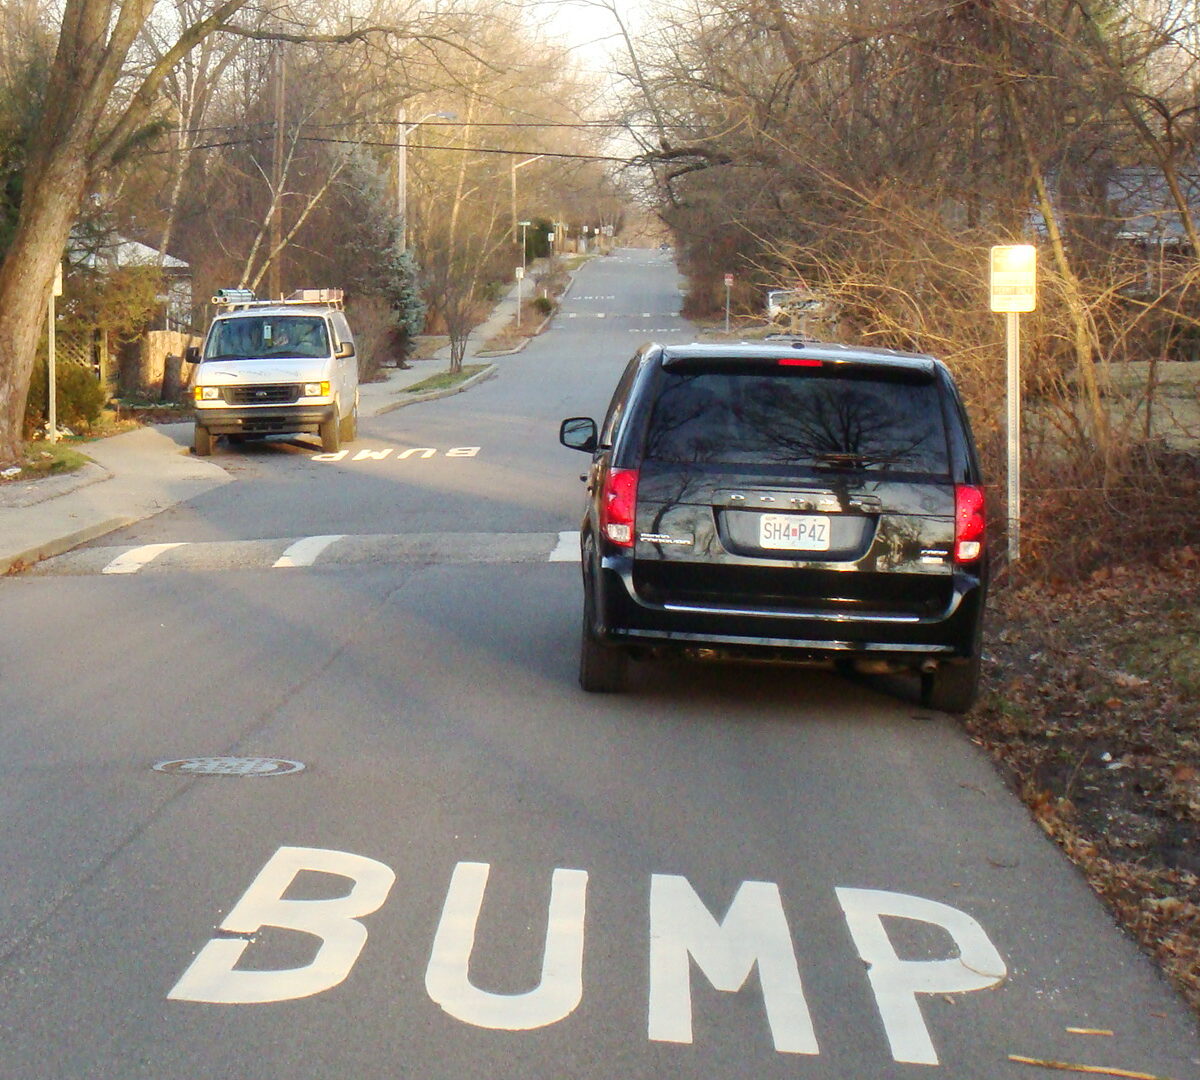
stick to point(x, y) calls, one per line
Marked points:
point(727, 872)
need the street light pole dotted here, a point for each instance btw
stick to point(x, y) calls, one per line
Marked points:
point(403, 130)
point(513, 177)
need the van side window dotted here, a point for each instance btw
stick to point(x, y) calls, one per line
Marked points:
point(341, 329)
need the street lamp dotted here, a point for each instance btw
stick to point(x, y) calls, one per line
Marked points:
point(513, 176)
point(402, 132)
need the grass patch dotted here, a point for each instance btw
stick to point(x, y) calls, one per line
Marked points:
point(43, 459)
point(1173, 654)
point(445, 380)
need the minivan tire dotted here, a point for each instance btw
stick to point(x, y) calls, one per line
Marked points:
point(202, 441)
point(331, 434)
point(952, 688)
point(603, 668)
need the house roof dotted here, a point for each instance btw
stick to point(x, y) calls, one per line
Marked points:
point(120, 251)
point(1140, 203)
point(1140, 199)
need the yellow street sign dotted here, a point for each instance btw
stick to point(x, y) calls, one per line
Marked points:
point(1013, 279)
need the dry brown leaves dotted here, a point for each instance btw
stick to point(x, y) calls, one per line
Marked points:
point(1093, 705)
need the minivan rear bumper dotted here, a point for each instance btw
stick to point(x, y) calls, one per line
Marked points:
point(265, 420)
point(626, 617)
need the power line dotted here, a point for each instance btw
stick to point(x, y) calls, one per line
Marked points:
point(395, 146)
point(466, 149)
point(584, 125)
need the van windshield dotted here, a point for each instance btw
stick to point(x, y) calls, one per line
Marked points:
point(253, 337)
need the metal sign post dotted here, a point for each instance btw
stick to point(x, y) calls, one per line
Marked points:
point(1012, 321)
point(1013, 288)
point(520, 273)
point(728, 286)
point(51, 361)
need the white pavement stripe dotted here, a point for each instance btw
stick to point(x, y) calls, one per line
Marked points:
point(132, 561)
point(304, 552)
point(567, 549)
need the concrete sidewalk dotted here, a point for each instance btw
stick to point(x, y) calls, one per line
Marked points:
point(143, 472)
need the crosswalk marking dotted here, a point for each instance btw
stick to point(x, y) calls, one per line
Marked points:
point(605, 315)
point(132, 561)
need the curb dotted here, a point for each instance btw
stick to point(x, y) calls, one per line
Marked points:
point(61, 544)
point(525, 342)
point(541, 326)
point(433, 395)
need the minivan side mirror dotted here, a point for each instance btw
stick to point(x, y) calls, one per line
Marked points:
point(192, 354)
point(344, 350)
point(578, 433)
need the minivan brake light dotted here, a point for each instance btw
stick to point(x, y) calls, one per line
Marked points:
point(618, 506)
point(970, 522)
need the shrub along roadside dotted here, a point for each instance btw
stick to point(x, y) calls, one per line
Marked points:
point(79, 398)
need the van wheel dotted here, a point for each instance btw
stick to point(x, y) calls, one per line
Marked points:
point(350, 426)
point(603, 668)
point(202, 441)
point(951, 688)
point(331, 434)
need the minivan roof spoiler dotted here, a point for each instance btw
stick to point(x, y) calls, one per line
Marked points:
point(798, 353)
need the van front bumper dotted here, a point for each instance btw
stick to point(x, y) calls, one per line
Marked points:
point(274, 420)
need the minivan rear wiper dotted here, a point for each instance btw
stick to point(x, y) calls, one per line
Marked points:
point(846, 460)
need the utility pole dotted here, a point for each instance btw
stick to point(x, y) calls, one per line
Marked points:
point(275, 279)
point(403, 130)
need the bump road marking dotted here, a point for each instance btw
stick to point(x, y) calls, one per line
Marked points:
point(567, 549)
point(687, 940)
point(304, 552)
point(340, 549)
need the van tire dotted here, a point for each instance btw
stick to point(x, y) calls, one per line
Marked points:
point(202, 441)
point(603, 668)
point(350, 426)
point(952, 688)
point(331, 434)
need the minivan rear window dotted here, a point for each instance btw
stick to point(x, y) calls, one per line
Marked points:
point(812, 420)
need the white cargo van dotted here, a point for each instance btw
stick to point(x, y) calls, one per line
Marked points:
point(276, 367)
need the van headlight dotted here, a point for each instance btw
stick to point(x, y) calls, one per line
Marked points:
point(208, 393)
point(316, 389)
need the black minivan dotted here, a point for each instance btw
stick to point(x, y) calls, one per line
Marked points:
point(784, 501)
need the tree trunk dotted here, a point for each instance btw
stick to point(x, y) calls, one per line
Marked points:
point(26, 275)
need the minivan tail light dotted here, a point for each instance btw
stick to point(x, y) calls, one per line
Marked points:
point(798, 361)
point(970, 522)
point(618, 506)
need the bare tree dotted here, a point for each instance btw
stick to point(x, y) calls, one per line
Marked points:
point(80, 136)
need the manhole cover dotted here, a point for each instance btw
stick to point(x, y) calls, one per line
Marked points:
point(231, 766)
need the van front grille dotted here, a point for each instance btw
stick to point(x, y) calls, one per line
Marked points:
point(262, 394)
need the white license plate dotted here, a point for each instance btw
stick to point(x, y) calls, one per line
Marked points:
point(792, 532)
